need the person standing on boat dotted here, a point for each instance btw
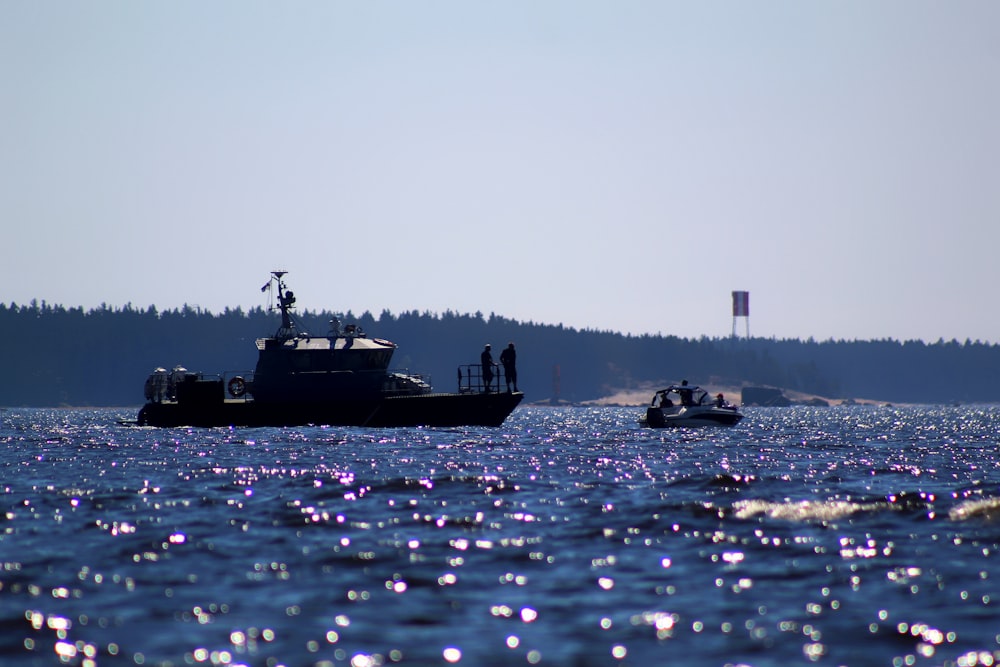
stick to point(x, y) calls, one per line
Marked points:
point(486, 359)
point(509, 360)
point(685, 393)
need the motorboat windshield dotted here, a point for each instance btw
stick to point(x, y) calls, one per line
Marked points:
point(681, 394)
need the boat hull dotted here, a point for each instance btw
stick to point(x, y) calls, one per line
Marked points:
point(697, 417)
point(472, 409)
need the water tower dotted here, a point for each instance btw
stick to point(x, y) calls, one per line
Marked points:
point(741, 308)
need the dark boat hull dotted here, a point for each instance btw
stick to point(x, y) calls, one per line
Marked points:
point(472, 409)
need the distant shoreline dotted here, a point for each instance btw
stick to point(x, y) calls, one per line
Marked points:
point(640, 397)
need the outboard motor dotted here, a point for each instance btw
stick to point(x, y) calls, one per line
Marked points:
point(155, 388)
point(654, 417)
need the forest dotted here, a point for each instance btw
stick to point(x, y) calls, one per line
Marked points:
point(56, 356)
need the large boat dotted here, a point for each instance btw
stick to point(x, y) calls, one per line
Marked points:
point(689, 405)
point(341, 378)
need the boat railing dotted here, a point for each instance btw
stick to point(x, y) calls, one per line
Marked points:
point(471, 380)
point(181, 384)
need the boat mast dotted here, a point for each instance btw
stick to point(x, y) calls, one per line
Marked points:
point(286, 301)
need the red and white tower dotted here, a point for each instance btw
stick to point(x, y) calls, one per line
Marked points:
point(741, 308)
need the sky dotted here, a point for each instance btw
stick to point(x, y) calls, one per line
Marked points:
point(619, 166)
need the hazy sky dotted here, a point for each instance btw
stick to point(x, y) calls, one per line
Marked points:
point(613, 165)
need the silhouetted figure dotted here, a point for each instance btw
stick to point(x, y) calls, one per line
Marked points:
point(509, 360)
point(685, 393)
point(486, 359)
point(720, 401)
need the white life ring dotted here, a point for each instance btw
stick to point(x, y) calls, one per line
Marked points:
point(237, 386)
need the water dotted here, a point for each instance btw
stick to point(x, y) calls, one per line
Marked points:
point(829, 536)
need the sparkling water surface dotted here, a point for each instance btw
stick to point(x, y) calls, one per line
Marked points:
point(829, 536)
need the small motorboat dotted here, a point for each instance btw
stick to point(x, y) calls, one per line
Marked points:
point(681, 405)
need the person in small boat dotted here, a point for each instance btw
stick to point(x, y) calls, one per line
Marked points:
point(509, 360)
point(685, 393)
point(665, 402)
point(720, 401)
point(486, 359)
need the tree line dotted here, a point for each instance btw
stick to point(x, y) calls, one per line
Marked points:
point(52, 355)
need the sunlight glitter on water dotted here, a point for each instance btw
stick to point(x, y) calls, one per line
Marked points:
point(569, 536)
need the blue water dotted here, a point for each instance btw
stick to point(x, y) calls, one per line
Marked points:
point(829, 536)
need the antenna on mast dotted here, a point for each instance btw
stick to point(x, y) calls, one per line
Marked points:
point(286, 301)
